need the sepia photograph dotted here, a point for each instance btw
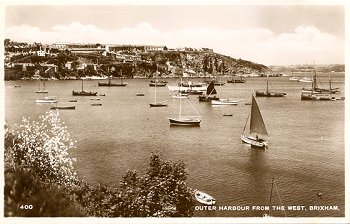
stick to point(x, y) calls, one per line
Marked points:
point(174, 112)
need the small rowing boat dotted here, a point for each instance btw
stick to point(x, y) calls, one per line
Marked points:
point(204, 198)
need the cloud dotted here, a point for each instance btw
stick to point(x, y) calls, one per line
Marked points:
point(251, 43)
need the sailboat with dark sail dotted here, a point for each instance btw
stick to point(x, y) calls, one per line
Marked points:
point(210, 94)
point(82, 92)
point(257, 136)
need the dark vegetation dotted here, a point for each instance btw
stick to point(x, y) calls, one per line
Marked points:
point(40, 180)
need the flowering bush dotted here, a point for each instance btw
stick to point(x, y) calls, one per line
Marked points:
point(40, 173)
point(42, 146)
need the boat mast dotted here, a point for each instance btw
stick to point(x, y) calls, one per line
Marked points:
point(267, 83)
point(155, 87)
point(121, 76)
point(271, 195)
point(180, 108)
point(245, 124)
point(330, 82)
point(82, 85)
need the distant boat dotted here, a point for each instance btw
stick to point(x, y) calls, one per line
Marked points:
point(63, 108)
point(109, 83)
point(95, 99)
point(305, 79)
point(267, 93)
point(180, 95)
point(140, 94)
point(158, 83)
point(216, 82)
point(223, 102)
point(257, 127)
point(96, 104)
point(315, 89)
point(82, 92)
point(43, 88)
point(47, 99)
point(185, 120)
point(188, 87)
point(16, 86)
point(233, 80)
point(157, 103)
point(316, 97)
point(210, 94)
point(293, 78)
point(204, 198)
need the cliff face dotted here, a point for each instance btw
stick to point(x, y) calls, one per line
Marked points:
point(202, 62)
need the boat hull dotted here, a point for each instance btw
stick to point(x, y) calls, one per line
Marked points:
point(45, 101)
point(315, 97)
point(185, 121)
point(194, 88)
point(207, 98)
point(253, 142)
point(269, 94)
point(236, 81)
point(83, 93)
point(63, 108)
point(112, 84)
point(157, 84)
point(224, 102)
point(158, 104)
point(204, 198)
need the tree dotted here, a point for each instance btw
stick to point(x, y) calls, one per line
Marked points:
point(162, 192)
point(43, 148)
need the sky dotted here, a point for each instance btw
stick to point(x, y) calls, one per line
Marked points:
point(266, 34)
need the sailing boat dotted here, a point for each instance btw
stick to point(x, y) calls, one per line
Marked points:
point(121, 80)
point(267, 93)
point(273, 184)
point(315, 89)
point(82, 92)
point(185, 120)
point(208, 96)
point(109, 83)
point(43, 90)
point(234, 80)
point(293, 78)
point(157, 104)
point(257, 127)
point(222, 101)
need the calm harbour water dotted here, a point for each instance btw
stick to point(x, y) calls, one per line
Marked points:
point(305, 156)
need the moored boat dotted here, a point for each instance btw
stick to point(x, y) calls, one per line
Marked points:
point(185, 120)
point(82, 92)
point(47, 99)
point(234, 80)
point(210, 94)
point(268, 93)
point(158, 83)
point(204, 198)
point(63, 108)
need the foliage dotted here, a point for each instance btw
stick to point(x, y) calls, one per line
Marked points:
point(162, 192)
point(39, 172)
point(22, 189)
point(43, 147)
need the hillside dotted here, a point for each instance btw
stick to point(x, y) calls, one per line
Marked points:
point(168, 63)
point(203, 62)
